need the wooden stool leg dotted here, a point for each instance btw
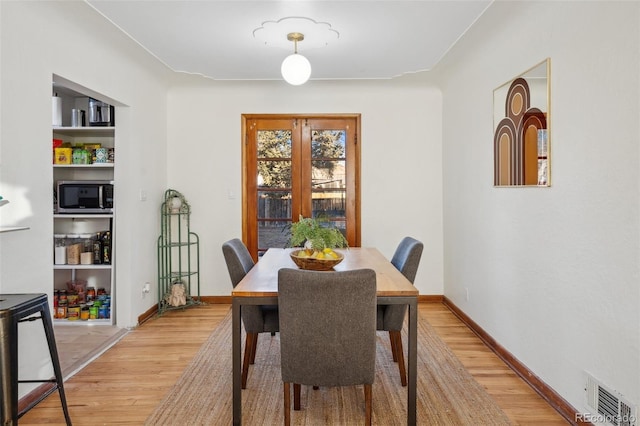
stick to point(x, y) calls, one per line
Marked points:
point(287, 404)
point(247, 358)
point(53, 351)
point(393, 346)
point(367, 404)
point(400, 355)
point(296, 396)
point(253, 348)
point(8, 371)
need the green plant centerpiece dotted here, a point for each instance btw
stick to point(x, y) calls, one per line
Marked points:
point(318, 240)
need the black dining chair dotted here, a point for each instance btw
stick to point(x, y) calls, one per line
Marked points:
point(390, 318)
point(327, 331)
point(255, 318)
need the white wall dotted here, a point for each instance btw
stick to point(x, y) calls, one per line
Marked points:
point(552, 273)
point(68, 38)
point(401, 156)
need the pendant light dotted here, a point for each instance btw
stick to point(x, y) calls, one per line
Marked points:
point(295, 68)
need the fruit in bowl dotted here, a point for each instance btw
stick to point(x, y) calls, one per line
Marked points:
point(327, 253)
point(316, 260)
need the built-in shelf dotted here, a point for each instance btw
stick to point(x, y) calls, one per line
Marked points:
point(86, 166)
point(84, 131)
point(82, 216)
point(91, 266)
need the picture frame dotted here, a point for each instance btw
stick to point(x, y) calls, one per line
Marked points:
point(521, 142)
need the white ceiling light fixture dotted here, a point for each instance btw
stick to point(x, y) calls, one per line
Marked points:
point(295, 69)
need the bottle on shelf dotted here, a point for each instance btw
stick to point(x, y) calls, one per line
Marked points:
point(97, 250)
point(106, 248)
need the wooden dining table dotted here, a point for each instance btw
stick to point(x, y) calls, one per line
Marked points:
point(260, 287)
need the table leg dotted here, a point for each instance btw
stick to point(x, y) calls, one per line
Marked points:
point(237, 371)
point(413, 369)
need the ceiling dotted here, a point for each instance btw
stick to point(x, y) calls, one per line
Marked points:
point(246, 40)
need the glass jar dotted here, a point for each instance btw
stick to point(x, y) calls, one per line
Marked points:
point(60, 249)
point(86, 256)
point(87, 242)
point(74, 248)
point(84, 312)
point(91, 294)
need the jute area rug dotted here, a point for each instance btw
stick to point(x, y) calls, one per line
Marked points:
point(446, 393)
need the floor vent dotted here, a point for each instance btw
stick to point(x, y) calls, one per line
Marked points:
point(609, 404)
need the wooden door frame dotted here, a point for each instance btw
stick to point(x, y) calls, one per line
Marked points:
point(353, 184)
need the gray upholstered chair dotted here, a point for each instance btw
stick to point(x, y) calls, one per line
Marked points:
point(256, 319)
point(391, 317)
point(327, 331)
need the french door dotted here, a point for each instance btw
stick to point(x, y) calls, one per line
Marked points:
point(299, 165)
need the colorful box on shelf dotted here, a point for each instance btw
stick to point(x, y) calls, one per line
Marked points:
point(101, 155)
point(62, 156)
point(81, 156)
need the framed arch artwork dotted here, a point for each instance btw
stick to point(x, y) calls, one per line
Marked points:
point(521, 139)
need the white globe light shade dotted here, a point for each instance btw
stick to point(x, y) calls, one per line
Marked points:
point(295, 69)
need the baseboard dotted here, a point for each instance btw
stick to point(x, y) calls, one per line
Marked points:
point(211, 300)
point(217, 300)
point(227, 300)
point(34, 397)
point(556, 401)
point(431, 298)
point(148, 314)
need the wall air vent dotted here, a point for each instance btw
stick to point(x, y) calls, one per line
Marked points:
point(609, 405)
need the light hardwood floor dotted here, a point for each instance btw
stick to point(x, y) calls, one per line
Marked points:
point(80, 344)
point(126, 383)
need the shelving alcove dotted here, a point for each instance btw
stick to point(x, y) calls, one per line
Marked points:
point(97, 276)
point(178, 255)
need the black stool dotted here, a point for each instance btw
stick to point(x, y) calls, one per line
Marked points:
point(15, 308)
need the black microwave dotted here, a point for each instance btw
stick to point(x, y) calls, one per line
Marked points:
point(85, 196)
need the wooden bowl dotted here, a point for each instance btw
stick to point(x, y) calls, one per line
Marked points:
point(313, 264)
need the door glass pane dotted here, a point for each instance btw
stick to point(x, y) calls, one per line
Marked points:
point(274, 143)
point(328, 174)
point(272, 234)
point(329, 204)
point(274, 188)
point(328, 143)
point(341, 225)
point(274, 174)
point(274, 205)
point(328, 188)
point(274, 155)
point(274, 214)
point(328, 177)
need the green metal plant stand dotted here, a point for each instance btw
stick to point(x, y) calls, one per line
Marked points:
point(178, 255)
